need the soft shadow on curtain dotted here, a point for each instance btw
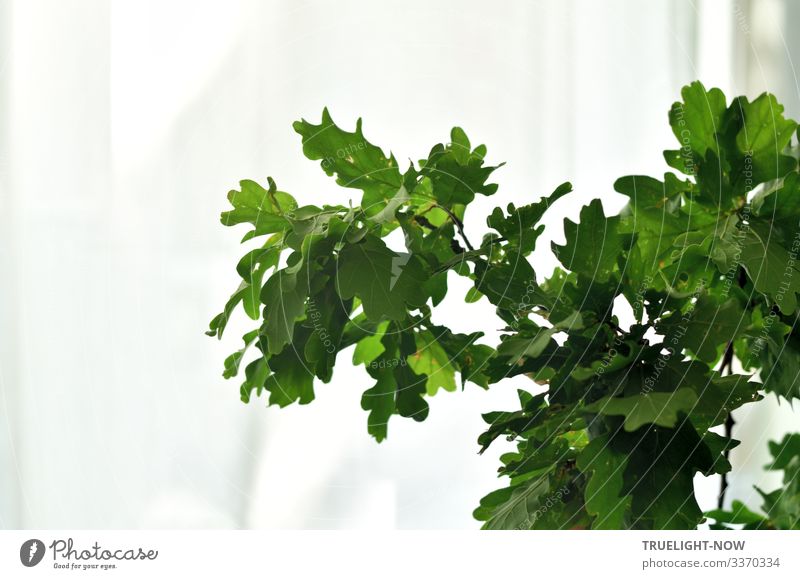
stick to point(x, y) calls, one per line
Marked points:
point(122, 129)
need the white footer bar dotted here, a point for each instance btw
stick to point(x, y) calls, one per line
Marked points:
point(400, 554)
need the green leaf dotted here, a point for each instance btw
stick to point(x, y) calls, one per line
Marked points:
point(387, 283)
point(785, 451)
point(771, 267)
point(284, 297)
point(593, 245)
point(256, 374)
point(520, 508)
point(706, 327)
point(655, 226)
point(369, 348)
point(380, 402)
point(780, 205)
point(257, 261)
point(770, 343)
point(263, 208)
point(527, 345)
point(725, 248)
point(605, 499)
point(326, 316)
point(291, 379)
point(514, 423)
point(455, 176)
point(355, 162)
point(233, 361)
point(720, 396)
point(661, 408)
point(220, 321)
point(696, 121)
point(518, 227)
point(647, 193)
point(660, 476)
point(510, 286)
point(738, 515)
point(432, 359)
point(764, 136)
point(397, 389)
point(459, 144)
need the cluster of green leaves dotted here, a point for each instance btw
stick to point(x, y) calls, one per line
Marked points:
point(323, 279)
point(705, 259)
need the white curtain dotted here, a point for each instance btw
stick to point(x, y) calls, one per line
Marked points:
point(122, 127)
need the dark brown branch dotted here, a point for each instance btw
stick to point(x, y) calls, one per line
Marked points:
point(727, 362)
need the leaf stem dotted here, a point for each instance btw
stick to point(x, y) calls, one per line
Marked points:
point(271, 194)
point(459, 225)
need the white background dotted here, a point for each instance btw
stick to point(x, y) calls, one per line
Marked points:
point(124, 124)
